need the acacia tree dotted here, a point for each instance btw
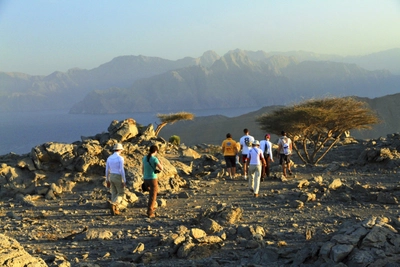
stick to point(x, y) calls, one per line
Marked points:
point(315, 126)
point(172, 118)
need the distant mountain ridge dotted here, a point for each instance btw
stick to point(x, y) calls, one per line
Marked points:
point(209, 77)
point(235, 80)
point(23, 92)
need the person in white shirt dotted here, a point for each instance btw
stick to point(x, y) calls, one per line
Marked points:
point(285, 151)
point(255, 160)
point(115, 178)
point(245, 145)
point(266, 147)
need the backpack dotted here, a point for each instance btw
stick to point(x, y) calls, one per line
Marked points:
point(285, 146)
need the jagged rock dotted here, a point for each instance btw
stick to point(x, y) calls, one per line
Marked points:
point(26, 163)
point(12, 254)
point(303, 183)
point(185, 249)
point(307, 197)
point(211, 226)
point(92, 234)
point(123, 130)
point(335, 184)
point(189, 154)
point(197, 233)
point(339, 252)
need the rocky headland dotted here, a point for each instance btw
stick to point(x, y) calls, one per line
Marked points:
point(342, 212)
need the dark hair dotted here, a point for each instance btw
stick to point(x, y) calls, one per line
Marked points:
point(153, 148)
point(228, 135)
point(246, 130)
point(283, 133)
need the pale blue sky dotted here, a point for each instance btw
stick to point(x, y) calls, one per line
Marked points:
point(43, 36)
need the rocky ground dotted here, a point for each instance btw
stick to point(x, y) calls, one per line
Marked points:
point(342, 212)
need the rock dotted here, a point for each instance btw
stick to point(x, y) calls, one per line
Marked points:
point(123, 130)
point(26, 163)
point(197, 233)
point(12, 254)
point(297, 204)
point(307, 197)
point(185, 249)
point(210, 226)
point(303, 183)
point(339, 252)
point(92, 234)
point(335, 184)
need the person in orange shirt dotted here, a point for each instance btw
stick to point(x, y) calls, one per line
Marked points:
point(230, 150)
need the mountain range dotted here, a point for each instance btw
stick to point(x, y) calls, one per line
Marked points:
point(237, 79)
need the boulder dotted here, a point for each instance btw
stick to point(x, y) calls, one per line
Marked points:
point(12, 254)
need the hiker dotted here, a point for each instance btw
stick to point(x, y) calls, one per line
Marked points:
point(229, 149)
point(255, 160)
point(150, 167)
point(245, 144)
point(285, 151)
point(115, 178)
point(266, 147)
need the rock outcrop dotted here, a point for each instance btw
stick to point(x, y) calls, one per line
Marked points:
point(14, 255)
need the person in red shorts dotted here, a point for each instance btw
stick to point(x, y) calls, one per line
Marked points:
point(245, 145)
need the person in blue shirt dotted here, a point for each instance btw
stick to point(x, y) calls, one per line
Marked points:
point(150, 167)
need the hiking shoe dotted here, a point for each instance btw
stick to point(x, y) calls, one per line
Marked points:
point(114, 210)
point(151, 215)
point(290, 172)
point(255, 195)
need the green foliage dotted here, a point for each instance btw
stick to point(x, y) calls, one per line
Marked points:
point(317, 125)
point(175, 140)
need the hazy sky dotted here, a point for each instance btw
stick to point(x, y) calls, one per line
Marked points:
point(43, 36)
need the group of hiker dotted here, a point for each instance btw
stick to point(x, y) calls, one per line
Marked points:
point(256, 157)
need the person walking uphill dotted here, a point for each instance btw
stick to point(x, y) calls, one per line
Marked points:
point(266, 147)
point(115, 178)
point(229, 149)
point(255, 160)
point(245, 145)
point(285, 150)
point(150, 167)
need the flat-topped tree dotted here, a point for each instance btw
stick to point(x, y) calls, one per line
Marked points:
point(317, 125)
point(172, 118)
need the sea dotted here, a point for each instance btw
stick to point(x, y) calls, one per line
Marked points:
point(21, 131)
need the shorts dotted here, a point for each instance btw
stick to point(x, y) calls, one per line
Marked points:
point(284, 158)
point(244, 158)
point(230, 161)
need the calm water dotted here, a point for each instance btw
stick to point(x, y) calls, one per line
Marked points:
point(21, 131)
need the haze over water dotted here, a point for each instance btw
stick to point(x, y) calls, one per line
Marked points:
point(21, 131)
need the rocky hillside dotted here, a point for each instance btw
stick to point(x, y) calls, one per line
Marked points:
point(213, 129)
point(343, 211)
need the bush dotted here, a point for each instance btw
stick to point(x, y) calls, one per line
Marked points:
point(175, 140)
